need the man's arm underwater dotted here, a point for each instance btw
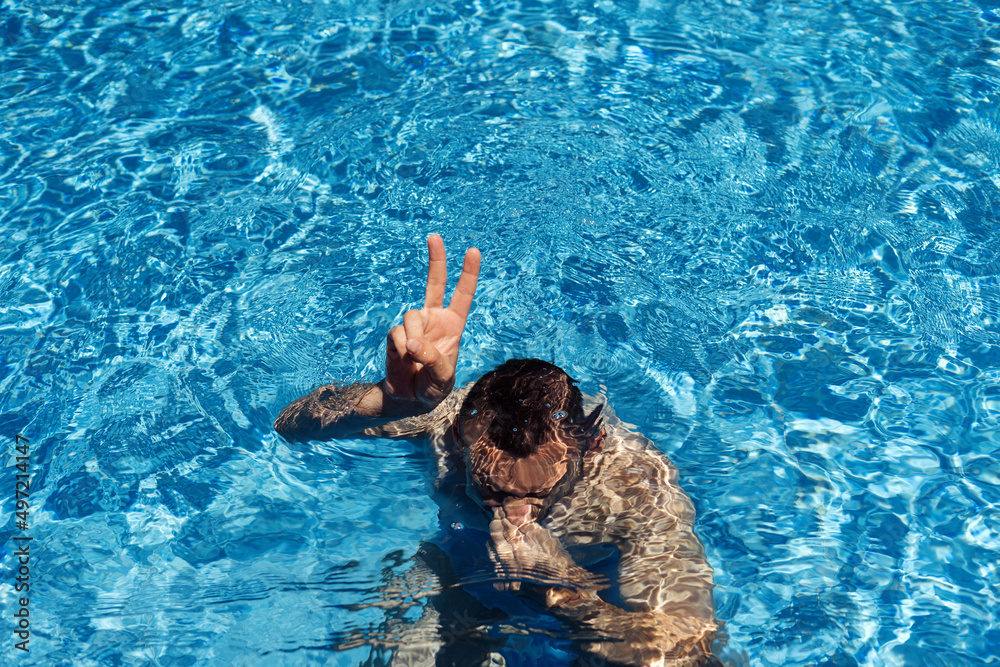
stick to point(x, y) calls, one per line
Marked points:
point(421, 355)
point(628, 496)
point(333, 412)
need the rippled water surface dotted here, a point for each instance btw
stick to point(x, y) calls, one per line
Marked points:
point(767, 231)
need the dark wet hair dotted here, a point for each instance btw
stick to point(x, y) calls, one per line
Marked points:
point(521, 404)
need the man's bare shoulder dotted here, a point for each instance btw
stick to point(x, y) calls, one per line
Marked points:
point(628, 477)
point(625, 446)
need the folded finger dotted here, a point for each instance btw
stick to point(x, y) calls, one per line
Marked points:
point(413, 325)
point(395, 342)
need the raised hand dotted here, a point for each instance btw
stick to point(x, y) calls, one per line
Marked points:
point(422, 352)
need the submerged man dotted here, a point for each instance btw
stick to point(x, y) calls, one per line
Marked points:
point(552, 476)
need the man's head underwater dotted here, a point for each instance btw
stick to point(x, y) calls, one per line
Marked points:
point(524, 434)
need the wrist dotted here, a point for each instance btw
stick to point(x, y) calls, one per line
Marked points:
point(392, 407)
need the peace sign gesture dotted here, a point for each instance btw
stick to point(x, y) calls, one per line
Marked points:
point(422, 352)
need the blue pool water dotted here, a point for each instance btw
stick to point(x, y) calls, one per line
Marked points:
point(766, 231)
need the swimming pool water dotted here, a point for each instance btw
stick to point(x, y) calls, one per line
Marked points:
point(766, 231)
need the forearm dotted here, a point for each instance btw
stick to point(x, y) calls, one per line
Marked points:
point(634, 638)
point(668, 604)
point(338, 412)
point(666, 586)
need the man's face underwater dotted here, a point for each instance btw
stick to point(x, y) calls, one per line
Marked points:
point(524, 437)
point(521, 489)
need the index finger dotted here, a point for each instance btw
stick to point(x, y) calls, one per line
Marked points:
point(437, 272)
point(461, 300)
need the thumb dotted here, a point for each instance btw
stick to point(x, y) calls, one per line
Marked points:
point(437, 364)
